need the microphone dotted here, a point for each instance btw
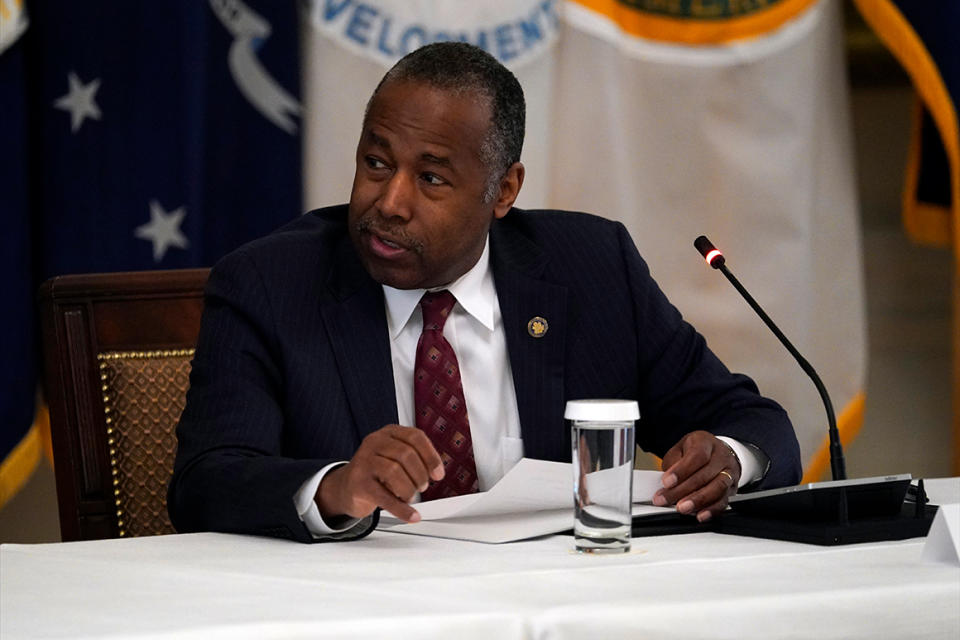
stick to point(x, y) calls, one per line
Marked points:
point(715, 259)
point(838, 512)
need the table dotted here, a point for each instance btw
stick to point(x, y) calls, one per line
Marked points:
point(391, 585)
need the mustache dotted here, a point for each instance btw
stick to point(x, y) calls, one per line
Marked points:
point(393, 233)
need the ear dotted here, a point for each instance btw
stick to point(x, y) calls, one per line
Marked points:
point(509, 190)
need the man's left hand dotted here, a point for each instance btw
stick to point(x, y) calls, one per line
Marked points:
point(700, 473)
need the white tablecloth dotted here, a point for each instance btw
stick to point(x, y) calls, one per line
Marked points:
point(401, 586)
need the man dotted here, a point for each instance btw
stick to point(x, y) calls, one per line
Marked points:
point(315, 358)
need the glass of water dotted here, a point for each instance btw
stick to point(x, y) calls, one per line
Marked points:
point(602, 432)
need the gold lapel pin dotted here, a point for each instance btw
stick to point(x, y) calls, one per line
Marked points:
point(537, 327)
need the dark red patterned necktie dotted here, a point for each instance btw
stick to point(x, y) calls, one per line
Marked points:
point(439, 401)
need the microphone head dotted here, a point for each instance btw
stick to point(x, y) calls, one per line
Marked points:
point(709, 252)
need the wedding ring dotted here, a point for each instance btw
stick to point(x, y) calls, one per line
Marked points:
point(724, 472)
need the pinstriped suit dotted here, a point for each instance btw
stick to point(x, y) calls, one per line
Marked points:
point(293, 366)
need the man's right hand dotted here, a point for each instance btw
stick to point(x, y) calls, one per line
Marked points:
point(390, 467)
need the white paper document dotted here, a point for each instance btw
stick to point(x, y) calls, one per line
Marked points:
point(535, 498)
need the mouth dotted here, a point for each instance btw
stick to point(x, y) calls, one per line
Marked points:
point(388, 246)
point(385, 247)
point(389, 243)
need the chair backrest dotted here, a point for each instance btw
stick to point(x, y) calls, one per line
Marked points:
point(117, 353)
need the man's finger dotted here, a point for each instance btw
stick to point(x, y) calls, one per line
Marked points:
point(714, 492)
point(684, 458)
point(386, 469)
point(675, 453)
point(693, 469)
point(398, 508)
point(709, 511)
point(701, 478)
point(396, 479)
point(419, 441)
point(400, 459)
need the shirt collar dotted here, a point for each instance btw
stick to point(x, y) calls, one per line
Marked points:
point(474, 291)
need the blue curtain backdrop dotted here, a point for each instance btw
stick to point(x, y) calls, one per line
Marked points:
point(136, 135)
point(918, 33)
point(936, 23)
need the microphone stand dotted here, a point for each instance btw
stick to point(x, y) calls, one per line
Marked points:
point(828, 513)
point(837, 464)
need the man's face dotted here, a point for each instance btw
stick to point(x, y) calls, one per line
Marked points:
point(417, 216)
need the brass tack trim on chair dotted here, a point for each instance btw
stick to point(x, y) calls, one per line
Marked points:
point(124, 355)
point(164, 353)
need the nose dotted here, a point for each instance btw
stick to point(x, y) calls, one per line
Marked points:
point(396, 199)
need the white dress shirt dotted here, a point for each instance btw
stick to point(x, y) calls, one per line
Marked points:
point(475, 331)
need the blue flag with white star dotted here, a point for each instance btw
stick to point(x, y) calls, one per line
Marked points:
point(157, 135)
point(20, 445)
point(169, 131)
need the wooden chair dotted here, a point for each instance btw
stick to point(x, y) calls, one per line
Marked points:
point(117, 352)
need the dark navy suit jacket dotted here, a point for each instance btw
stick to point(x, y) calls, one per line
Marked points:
point(293, 366)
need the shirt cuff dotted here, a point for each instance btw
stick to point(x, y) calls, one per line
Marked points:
point(753, 461)
point(307, 509)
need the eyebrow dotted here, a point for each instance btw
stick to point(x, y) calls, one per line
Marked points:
point(377, 140)
point(442, 161)
point(383, 143)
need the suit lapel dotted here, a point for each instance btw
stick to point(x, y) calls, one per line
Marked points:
point(537, 362)
point(356, 326)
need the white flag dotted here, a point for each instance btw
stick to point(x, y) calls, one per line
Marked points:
point(13, 22)
point(678, 118)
